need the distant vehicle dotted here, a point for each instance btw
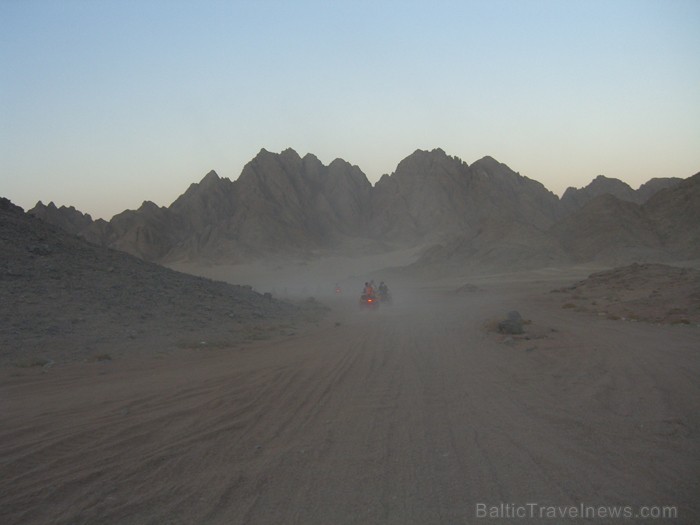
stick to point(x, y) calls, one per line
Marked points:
point(384, 294)
point(369, 301)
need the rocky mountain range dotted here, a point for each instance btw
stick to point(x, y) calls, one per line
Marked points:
point(484, 213)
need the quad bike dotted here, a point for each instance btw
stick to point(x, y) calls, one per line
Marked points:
point(369, 301)
point(385, 297)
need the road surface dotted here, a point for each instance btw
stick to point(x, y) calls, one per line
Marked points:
point(412, 414)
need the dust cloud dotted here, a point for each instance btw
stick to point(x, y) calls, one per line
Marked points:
point(416, 412)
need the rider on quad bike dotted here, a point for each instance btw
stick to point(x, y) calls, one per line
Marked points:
point(384, 295)
point(368, 299)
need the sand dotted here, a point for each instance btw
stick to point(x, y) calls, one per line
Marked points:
point(416, 413)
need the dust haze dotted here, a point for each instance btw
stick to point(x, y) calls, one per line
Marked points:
point(260, 391)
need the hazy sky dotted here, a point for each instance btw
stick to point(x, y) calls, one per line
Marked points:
point(105, 104)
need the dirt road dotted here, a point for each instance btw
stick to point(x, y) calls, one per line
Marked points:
point(413, 414)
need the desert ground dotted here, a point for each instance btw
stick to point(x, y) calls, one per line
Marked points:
point(418, 412)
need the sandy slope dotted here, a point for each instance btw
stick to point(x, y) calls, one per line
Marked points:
point(410, 414)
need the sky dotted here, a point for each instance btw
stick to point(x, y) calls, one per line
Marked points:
point(106, 104)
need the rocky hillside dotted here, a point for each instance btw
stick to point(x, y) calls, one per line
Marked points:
point(675, 213)
point(575, 198)
point(665, 227)
point(67, 218)
point(498, 245)
point(434, 196)
point(288, 203)
point(89, 301)
point(608, 229)
point(654, 293)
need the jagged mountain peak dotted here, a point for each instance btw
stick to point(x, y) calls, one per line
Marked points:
point(422, 164)
point(149, 206)
point(601, 184)
point(8, 206)
point(488, 162)
point(210, 182)
point(52, 206)
point(575, 198)
point(291, 152)
point(653, 186)
point(212, 176)
point(434, 154)
point(267, 163)
point(335, 163)
point(490, 167)
point(606, 182)
point(489, 172)
point(310, 157)
point(266, 157)
point(68, 218)
point(288, 169)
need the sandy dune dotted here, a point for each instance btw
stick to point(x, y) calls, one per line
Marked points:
point(412, 414)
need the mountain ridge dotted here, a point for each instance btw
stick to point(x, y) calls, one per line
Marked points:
point(283, 204)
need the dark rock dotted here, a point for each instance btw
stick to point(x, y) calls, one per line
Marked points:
point(512, 325)
point(515, 316)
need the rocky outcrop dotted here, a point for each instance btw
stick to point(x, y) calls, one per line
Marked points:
point(67, 218)
point(280, 203)
point(675, 214)
point(511, 196)
point(7, 206)
point(434, 196)
point(513, 324)
point(205, 203)
point(605, 229)
point(149, 232)
point(497, 246)
point(292, 203)
point(654, 186)
point(655, 293)
point(575, 198)
point(424, 196)
point(608, 229)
